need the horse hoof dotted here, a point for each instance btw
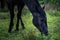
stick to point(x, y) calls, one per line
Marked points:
point(16, 30)
point(9, 31)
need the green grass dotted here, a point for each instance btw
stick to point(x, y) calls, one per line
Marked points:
point(30, 32)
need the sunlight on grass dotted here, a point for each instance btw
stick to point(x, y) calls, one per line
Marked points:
point(30, 32)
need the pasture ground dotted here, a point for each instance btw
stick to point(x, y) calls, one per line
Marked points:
point(30, 32)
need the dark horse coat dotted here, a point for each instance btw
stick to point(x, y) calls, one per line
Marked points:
point(39, 16)
point(2, 3)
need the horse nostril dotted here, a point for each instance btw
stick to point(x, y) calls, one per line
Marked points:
point(46, 33)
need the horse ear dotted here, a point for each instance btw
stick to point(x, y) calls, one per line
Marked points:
point(44, 7)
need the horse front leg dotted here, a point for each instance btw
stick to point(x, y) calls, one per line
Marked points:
point(11, 10)
point(20, 7)
point(2, 3)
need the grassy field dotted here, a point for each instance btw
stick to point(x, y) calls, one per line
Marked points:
point(30, 32)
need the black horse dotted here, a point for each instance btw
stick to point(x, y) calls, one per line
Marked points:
point(2, 4)
point(39, 16)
